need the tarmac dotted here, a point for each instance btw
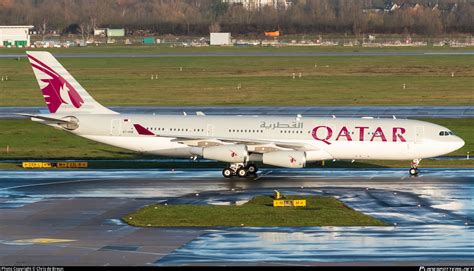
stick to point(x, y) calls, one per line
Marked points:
point(73, 217)
point(308, 111)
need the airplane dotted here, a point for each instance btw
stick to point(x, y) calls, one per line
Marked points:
point(240, 141)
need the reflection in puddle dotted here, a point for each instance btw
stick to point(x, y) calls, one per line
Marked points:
point(328, 244)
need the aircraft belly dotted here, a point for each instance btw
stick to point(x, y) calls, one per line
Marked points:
point(427, 149)
point(371, 151)
point(152, 145)
point(181, 152)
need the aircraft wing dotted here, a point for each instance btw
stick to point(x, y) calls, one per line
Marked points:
point(255, 145)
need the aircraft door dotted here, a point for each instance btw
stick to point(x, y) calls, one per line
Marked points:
point(115, 127)
point(127, 128)
point(210, 130)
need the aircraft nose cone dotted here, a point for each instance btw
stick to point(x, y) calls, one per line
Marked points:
point(461, 143)
point(458, 143)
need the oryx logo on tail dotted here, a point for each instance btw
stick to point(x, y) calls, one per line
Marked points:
point(58, 91)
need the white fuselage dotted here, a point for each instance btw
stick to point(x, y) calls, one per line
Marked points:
point(238, 140)
point(337, 138)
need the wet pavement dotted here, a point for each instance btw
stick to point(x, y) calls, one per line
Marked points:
point(77, 213)
point(328, 244)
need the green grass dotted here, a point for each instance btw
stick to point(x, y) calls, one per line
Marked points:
point(154, 49)
point(258, 212)
point(28, 140)
point(264, 81)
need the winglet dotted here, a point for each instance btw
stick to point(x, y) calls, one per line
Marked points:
point(142, 130)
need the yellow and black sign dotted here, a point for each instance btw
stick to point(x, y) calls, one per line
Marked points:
point(290, 203)
point(55, 164)
point(37, 165)
point(277, 195)
point(72, 165)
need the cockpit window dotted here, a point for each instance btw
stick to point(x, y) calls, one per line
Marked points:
point(445, 133)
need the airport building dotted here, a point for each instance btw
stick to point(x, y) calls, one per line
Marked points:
point(120, 32)
point(220, 39)
point(15, 35)
point(259, 4)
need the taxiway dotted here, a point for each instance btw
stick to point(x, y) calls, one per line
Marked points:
point(72, 217)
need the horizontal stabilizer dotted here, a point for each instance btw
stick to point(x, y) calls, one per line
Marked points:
point(45, 118)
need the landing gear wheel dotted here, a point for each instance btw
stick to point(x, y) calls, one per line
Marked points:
point(227, 172)
point(242, 172)
point(414, 171)
point(252, 169)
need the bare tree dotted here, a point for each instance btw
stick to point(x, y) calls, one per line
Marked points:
point(43, 27)
point(215, 27)
point(85, 29)
point(197, 16)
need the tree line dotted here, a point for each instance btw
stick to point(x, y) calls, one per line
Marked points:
point(198, 17)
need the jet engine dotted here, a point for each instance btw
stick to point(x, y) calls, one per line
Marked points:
point(288, 159)
point(224, 153)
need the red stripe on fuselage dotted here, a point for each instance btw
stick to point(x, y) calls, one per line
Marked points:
point(142, 130)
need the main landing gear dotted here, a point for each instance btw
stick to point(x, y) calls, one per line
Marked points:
point(240, 170)
point(414, 171)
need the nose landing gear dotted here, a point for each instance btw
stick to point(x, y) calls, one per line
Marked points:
point(240, 170)
point(414, 171)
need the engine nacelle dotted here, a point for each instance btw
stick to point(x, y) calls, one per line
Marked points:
point(288, 159)
point(318, 155)
point(224, 153)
